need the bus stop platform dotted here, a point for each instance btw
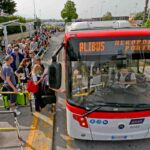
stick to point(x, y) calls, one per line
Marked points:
point(36, 129)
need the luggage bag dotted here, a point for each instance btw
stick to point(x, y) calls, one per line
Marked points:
point(21, 100)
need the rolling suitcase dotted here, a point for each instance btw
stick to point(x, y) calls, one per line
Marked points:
point(22, 99)
point(6, 102)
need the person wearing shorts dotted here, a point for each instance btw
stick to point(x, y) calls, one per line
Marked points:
point(10, 82)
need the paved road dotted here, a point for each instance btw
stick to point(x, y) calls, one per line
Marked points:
point(63, 142)
point(55, 43)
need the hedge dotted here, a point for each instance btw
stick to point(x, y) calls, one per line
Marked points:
point(12, 29)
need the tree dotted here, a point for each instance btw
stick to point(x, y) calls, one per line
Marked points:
point(147, 23)
point(139, 16)
point(107, 16)
point(7, 6)
point(69, 11)
point(20, 19)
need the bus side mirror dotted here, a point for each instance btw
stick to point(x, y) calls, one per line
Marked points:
point(54, 75)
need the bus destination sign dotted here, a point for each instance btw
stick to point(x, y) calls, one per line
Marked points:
point(112, 46)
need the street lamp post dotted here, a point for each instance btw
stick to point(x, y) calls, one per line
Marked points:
point(34, 9)
point(116, 10)
point(101, 11)
point(91, 12)
point(145, 11)
point(136, 4)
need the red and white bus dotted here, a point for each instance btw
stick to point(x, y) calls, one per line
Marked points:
point(102, 103)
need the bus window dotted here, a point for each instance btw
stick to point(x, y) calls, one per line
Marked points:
point(96, 82)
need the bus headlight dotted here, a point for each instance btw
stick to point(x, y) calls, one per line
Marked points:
point(82, 120)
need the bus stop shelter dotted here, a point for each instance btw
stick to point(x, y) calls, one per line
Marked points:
point(3, 26)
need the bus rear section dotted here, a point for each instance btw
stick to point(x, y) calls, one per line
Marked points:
point(108, 84)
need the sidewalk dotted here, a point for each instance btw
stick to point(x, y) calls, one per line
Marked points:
point(36, 130)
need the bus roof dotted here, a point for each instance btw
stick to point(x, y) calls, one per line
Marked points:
point(107, 33)
point(89, 25)
point(103, 29)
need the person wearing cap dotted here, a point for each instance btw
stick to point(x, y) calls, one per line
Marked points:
point(17, 58)
point(10, 82)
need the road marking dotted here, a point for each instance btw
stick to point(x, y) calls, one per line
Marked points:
point(44, 118)
point(32, 133)
point(8, 129)
point(42, 136)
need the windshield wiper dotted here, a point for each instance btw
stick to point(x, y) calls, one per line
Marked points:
point(91, 111)
point(96, 108)
point(116, 105)
point(142, 106)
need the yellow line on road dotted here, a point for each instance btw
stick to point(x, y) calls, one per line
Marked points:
point(44, 138)
point(41, 138)
point(32, 133)
point(8, 129)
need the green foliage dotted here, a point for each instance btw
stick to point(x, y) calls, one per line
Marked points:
point(147, 23)
point(139, 16)
point(8, 6)
point(107, 16)
point(10, 18)
point(69, 11)
point(29, 20)
point(21, 19)
point(50, 27)
point(12, 29)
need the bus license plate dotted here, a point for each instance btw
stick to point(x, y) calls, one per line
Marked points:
point(119, 137)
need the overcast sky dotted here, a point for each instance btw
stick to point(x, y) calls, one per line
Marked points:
point(50, 9)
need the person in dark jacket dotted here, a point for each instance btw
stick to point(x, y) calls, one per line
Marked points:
point(17, 58)
point(22, 72)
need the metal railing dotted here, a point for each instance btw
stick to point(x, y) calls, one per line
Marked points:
point(29, 97)
point(17, 126)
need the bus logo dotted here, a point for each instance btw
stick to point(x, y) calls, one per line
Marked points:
point(98, 122)
point(137, 121)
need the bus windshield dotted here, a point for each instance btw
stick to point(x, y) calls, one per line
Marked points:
point(122, 81)
point(109, 70)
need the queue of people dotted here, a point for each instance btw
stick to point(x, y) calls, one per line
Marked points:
point(23, 62)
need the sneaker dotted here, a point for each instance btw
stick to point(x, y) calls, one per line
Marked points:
point(17, 112)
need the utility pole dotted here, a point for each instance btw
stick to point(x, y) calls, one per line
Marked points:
point(136, 4)
point(34, 9)
point(146, 10)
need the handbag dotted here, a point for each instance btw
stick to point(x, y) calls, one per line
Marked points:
point(32, 87)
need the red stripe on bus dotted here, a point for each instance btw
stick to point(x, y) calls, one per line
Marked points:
point(109, 34)
point(109, 115)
